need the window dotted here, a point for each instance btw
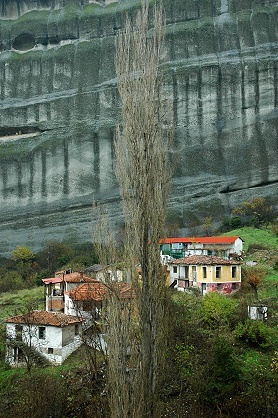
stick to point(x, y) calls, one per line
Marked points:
point(204, 272)
point(233, 286)
point(76, 329)
point(218, 287)
point(218, 272)
point(186, 268)
point(18, 332)
point(57, 292)
point(177, 246)
point(194, 273)
point(50, 350)
point(233, 272)
point(42, 333)
point(175, 269)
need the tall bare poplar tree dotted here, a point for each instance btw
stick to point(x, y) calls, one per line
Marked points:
point(119, 318)
point(142, 169)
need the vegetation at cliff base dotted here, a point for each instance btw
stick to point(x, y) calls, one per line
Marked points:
point(218, 363)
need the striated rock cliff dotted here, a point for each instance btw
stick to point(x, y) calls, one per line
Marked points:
point(59, 105)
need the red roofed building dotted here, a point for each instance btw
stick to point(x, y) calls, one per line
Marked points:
point(208, 273)
point(55, 288)
point(53, 335)
point(88, 299)
point(225, 247)
point(71, 299)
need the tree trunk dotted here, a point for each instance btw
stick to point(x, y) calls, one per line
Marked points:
point(142, 169)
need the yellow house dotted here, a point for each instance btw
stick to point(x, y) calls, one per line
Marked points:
point(209, 273)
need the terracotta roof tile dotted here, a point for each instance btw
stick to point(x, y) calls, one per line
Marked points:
point(98, 291)
point(74, 277)
point(204, 260)
point(55, 319)
point(89, 291)
point(200, 240)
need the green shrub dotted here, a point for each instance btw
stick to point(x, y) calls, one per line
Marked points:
point(223, 373)
point(218, 309)
point(229, 224)
point(183, 355)
point(236, 222)
point(255, 333)
point(275, 265)
point(275, 228)
point(274, 362)
point(10, 281)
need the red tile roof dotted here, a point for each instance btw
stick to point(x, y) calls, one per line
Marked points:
point(55, 319)
point(52, 280)
point(89, 291)
point(200, 240)
point(98, 291)
point(74, 277)
point(204, 260)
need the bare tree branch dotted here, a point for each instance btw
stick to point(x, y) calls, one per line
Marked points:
point(142, 168)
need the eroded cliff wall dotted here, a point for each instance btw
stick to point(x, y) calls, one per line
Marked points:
point(59, 106)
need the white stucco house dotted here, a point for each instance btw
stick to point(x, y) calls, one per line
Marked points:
point(54, 335)
point(104, 273)
point(73, 301)
point(223, 246)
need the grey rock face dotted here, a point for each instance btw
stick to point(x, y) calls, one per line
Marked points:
point(59, 106)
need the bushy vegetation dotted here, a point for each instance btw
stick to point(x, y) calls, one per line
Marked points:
point(219, 363)
point(213, 363)
point(256, 211)
point(255, 333)
point(25, 269)
point(218, 311)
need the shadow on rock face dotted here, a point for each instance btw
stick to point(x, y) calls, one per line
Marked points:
point(24, 42)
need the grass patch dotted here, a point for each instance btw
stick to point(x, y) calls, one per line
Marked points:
point(12, 302)
point(264, 237)
point(260, 245)
point(8, 373)
point(269, 288)
point(272, 277)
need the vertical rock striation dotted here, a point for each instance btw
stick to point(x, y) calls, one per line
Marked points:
point(59, 106)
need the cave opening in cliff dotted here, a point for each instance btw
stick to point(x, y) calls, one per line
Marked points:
point(24, 42)
point(18, 130)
